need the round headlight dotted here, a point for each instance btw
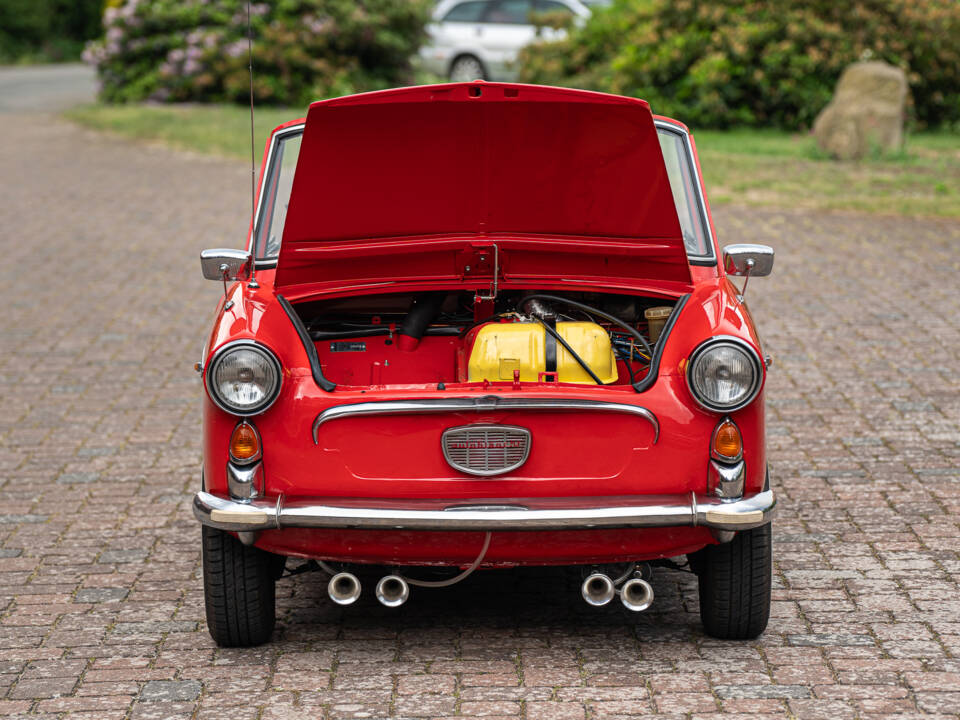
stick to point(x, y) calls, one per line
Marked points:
point(724, 374)
point(244, 378)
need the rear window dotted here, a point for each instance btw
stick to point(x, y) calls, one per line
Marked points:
point(511, 12)
point(552, 6)
point(466, 12)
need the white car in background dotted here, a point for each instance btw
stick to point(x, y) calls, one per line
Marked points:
point(480, 39)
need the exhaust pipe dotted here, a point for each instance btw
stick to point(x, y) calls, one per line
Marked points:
point(636, 594)
point(344, 588)
point(597, 589)
point(392, 591)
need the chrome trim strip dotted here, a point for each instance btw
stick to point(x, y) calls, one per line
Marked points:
point(486, 403)
point(244, 483)
point(726, 481)
point(661, 511)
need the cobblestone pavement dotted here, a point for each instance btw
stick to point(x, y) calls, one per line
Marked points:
point(101, 609)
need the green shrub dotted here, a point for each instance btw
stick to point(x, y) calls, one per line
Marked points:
point(44, 30)
point(743, 62)
point(196, 50)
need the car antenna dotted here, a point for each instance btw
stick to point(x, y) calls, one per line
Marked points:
point(253, 162)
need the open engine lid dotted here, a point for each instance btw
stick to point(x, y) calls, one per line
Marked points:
point(452, 183)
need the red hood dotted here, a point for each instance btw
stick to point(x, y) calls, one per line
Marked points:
point(418, 184)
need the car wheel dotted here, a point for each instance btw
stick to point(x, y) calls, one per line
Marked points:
point(735, 584)
point(466, 68)
point(239, 587)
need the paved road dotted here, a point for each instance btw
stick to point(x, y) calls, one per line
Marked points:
point(100, 593)
point(45, 87)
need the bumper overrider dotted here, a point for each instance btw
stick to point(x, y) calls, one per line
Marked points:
point(690, 510)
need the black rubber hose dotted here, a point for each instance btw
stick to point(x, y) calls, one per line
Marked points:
point(587, 308)
point(423, 310)
point(573, 353)
point(629, 363)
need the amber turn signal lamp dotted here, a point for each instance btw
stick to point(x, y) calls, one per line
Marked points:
point(727, 442)
point(244, 443)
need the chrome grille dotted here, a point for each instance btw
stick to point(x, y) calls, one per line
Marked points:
point(486, 449)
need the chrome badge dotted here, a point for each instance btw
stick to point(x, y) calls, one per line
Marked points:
point(486, 450)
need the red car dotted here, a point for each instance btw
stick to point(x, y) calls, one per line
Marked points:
point(478, 326)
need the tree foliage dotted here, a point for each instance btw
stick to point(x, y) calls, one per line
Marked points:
point(753, 62)
point(47, 29)
point(196, 50)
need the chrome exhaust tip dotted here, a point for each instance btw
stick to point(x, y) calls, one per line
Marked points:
point(636, 595)
point(344, 588)
point(597, 589)
point(392, 591)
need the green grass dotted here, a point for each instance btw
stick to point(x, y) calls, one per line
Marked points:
point(213, 129)
point(744, 167)
point(766, 167)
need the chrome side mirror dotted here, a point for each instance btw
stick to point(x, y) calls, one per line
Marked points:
point(226, 264)
point(747, 261)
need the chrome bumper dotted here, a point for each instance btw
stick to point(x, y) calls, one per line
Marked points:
point(527, 514)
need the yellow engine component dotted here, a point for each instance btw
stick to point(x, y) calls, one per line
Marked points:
point(501, 348)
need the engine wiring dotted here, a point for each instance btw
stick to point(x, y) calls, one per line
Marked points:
point(629, 343)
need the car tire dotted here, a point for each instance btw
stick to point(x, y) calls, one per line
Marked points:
point(239, 587)
point(734, 579)
point(466, 68)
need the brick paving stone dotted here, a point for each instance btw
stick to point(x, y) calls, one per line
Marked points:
point(555, 711)
point(170, 690)
point(101, 605)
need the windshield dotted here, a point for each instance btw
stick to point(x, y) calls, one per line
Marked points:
point(276, 194)
point(283, 163)
point(683, 184)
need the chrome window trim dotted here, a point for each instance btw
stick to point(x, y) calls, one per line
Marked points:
point(751, 353)
point(711, 257)
point(486, 426)
point(267, 174)
point(487, 403)
point(223, 349)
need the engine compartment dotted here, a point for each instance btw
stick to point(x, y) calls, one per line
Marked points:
point(448, 338)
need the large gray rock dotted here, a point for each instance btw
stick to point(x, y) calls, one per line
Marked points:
point(867, 110)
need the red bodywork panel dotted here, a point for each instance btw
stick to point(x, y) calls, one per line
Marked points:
point(573, 454)
point(564, 182)
point(479, 172)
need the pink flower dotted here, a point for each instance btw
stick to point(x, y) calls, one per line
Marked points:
point(236, 49)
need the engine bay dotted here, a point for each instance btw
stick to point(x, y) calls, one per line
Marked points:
point(444, 338)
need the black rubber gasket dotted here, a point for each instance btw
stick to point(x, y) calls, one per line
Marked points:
point(651, 377)
point(308, 345)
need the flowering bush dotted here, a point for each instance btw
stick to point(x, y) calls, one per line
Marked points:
point(756, 62)
point(196, 50)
